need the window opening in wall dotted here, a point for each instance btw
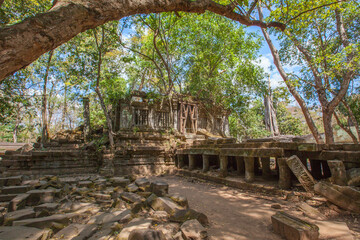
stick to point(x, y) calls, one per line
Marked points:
point(141, 117)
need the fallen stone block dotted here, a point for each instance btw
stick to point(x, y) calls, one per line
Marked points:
point(50, 207)
point(39, 196)
point(131, 197)
point(188, 214)
point(14, 180)
point(46, 222)
point(338, 172)
point(301, 172)
point(69, 232)
point(21, 233)
point(146, 234)
point(178, 236)
point(160, 216)
point(132, 187)
point(135, 224)
point(353, 176)
point(159, 188)
point(165, 204)
point(18, 202)
point(103, 234)
point(310, 211)
point(344, 197)
point(7, 197)
point(123, 216)
point(181, 200)
point(168, 229)
point(87, 232)
point(143, 184)
point(192, 229)
point(293, 228)
point(15, 189)
point(119, 182)
point(85, 184)
point(11, 217)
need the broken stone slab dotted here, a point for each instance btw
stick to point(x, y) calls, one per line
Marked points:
point(143, 184)
point(103, 234)
point(178, 236)
point(135, 224)
point(11, 217)
point(179, 199)
point(18, 202)
point(301, 172)
point(119, 181)
point(188, 214)
point(146, 234)
point(100, 196)
point(344, 197)
point(338, 172)
point(15, 189)
point(122, 216)
point(38, 196)
point(353, 176)
point(132, 197)
point(21, 233)
point(85, 183)
point(69, 232)
point(46, 222)
point(7, 197)
point(293, 228)
point(192, 229)
point(13, 181)
point(86, 232)
point(132, 187)
point(165, 204)
point(50, 207)
point(160, 216)
point(169, 229)
point(159, 188)
point(311, 211)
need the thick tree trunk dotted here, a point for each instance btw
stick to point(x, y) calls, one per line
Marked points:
point(347, 130)
point(328, 129)
point(15, 132)
point(23, 43)
point(45, 131)
point(291, 88)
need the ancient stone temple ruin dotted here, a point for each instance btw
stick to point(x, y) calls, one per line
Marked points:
point(75, 186)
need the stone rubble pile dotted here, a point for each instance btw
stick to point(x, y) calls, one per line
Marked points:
point(94, 207)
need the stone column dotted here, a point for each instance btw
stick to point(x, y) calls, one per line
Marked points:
point(265, 165)
point(180, 159)
point(284, 174)
point(223, 165)
point(315, 168)
point(86, 114)
point(205, 162)
point(338, 172)
point(240, 165)
point(191, 162)
point(249, 169)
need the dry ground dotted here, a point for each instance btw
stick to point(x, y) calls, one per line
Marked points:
point(235, 214)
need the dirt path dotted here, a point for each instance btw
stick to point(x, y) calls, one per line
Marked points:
point(233, 214)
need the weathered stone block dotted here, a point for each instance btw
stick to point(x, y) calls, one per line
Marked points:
point(119, 182)
point(188, 214)
point(15, 189)
point(338, 172)
point(181, 200)
point(292, 228)
point(132, 187)
point(344, 197)
point(70, 231)
point(135, 224)
point(50, 207)
point(165, 204)
point(46, 222)
point(192, 229)
point(20, 233)
point(132, 197)
point(10, 217)
point(18, 202)
point(353, 176)
point(143, 184)
point(41, 196)
point(159, 188)
point(146, 234)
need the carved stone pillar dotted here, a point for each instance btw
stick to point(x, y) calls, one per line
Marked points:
point(191, 162)
point(240, 165)
point(223, 165)
point(284, 174)
point(265, 164)
point(249, 169)
point(205, 162)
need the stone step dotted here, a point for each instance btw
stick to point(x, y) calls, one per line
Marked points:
point(7, 197)
point(11, 181)
point(46, 222)
point(10, 217)
point(15, 189)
